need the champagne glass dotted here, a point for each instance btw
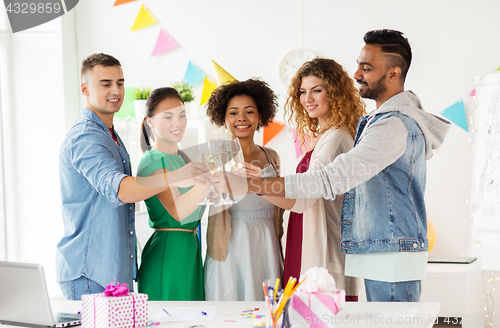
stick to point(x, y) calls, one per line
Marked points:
point(226, 158)
point(237, 155)
point(203, 155)
point(217, 151)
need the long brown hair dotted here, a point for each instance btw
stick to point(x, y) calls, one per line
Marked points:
point(346, 105)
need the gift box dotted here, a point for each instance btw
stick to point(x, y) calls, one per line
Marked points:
point(315, 310)
point(127, 311)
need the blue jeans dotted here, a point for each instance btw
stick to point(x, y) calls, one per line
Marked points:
point(74, 289)
point(403, 291)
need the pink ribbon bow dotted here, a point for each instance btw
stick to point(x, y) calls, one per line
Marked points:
point(116, 290)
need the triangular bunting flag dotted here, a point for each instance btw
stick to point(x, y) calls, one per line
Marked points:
point(208, 87)
point(193, 75)
point(144, 19)
point(456, 114)
point(121, 2)
point(164, 43)
point(298, 153)
point(271, 131)
point(223, 76)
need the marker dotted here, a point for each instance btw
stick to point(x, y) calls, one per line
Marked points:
point(203, 312)
point(166, 312)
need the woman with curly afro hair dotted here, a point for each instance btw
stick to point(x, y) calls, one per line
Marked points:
point(243, 241)
point(325, 108)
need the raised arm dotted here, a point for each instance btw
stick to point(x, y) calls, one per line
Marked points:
point(180, 206)
point(135, 189)
point(329, 146)
point(383, 143)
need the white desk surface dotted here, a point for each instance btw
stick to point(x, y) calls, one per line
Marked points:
point(449, 270)
point(423, 318)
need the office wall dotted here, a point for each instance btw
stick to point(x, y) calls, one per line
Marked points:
point(33, 128)
point(453, 43)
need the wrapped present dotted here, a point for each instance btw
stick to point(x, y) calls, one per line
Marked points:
point(315, 310)
point(316, 301)
point(116, 307)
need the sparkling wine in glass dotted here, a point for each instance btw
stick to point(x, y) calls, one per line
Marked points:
point(203, 155)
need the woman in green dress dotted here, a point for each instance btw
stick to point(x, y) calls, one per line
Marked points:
point(171, 267)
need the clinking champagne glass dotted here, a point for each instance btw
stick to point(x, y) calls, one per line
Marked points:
point(215, 165)
point(237, 155)
point(226, 158)
point(203, 154)
point(217, 151)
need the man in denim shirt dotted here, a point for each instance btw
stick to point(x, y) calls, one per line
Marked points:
point(384, 227)
point(97, 189)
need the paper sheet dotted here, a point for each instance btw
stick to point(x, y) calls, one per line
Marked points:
point(186, 314)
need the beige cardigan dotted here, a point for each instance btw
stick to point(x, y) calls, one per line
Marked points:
point(321, 218)
point(219, 224)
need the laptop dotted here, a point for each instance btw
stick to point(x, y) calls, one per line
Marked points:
point(451, 260)
point(24, 300)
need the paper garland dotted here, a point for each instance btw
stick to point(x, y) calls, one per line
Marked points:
point(456, 114)
point(121, 2)
point(271, 131)
point(208, 87)
point(164, 43)
point(222, 75)
point(144, 19)
point(193, 74)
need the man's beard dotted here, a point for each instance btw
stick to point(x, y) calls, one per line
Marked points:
point(375, 91)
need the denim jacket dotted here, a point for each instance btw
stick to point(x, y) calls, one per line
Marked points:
point(382, 177)
point(387, 213)
point(99, 232)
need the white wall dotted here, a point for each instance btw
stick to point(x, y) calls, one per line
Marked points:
point(35, 123)
point(453, 41)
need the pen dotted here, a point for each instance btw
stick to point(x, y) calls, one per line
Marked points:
point(203, 313)
point(166, 312)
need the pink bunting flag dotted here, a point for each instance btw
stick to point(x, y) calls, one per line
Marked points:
point(164, 43)
point(298, 153)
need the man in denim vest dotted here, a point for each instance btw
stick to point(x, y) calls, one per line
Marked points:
point(384, 222)
point(97, 190)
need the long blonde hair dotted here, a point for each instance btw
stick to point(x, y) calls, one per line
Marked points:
point(346, 105)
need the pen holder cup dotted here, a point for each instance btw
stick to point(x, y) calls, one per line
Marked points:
point(272, 304)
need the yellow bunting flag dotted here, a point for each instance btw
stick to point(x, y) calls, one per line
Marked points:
point(208, 87)
point(121, 2)
point(272, 130)
point(223, 76)
point(144, 19)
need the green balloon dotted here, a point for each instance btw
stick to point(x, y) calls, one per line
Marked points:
point(127, 108)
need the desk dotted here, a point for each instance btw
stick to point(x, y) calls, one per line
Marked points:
point(459, 289)
point(426, 311)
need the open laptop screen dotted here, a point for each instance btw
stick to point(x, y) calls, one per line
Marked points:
point(24, 299)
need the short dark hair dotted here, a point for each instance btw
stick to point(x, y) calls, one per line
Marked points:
point(258, 90)
point(97, 59)
point(394, 43)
